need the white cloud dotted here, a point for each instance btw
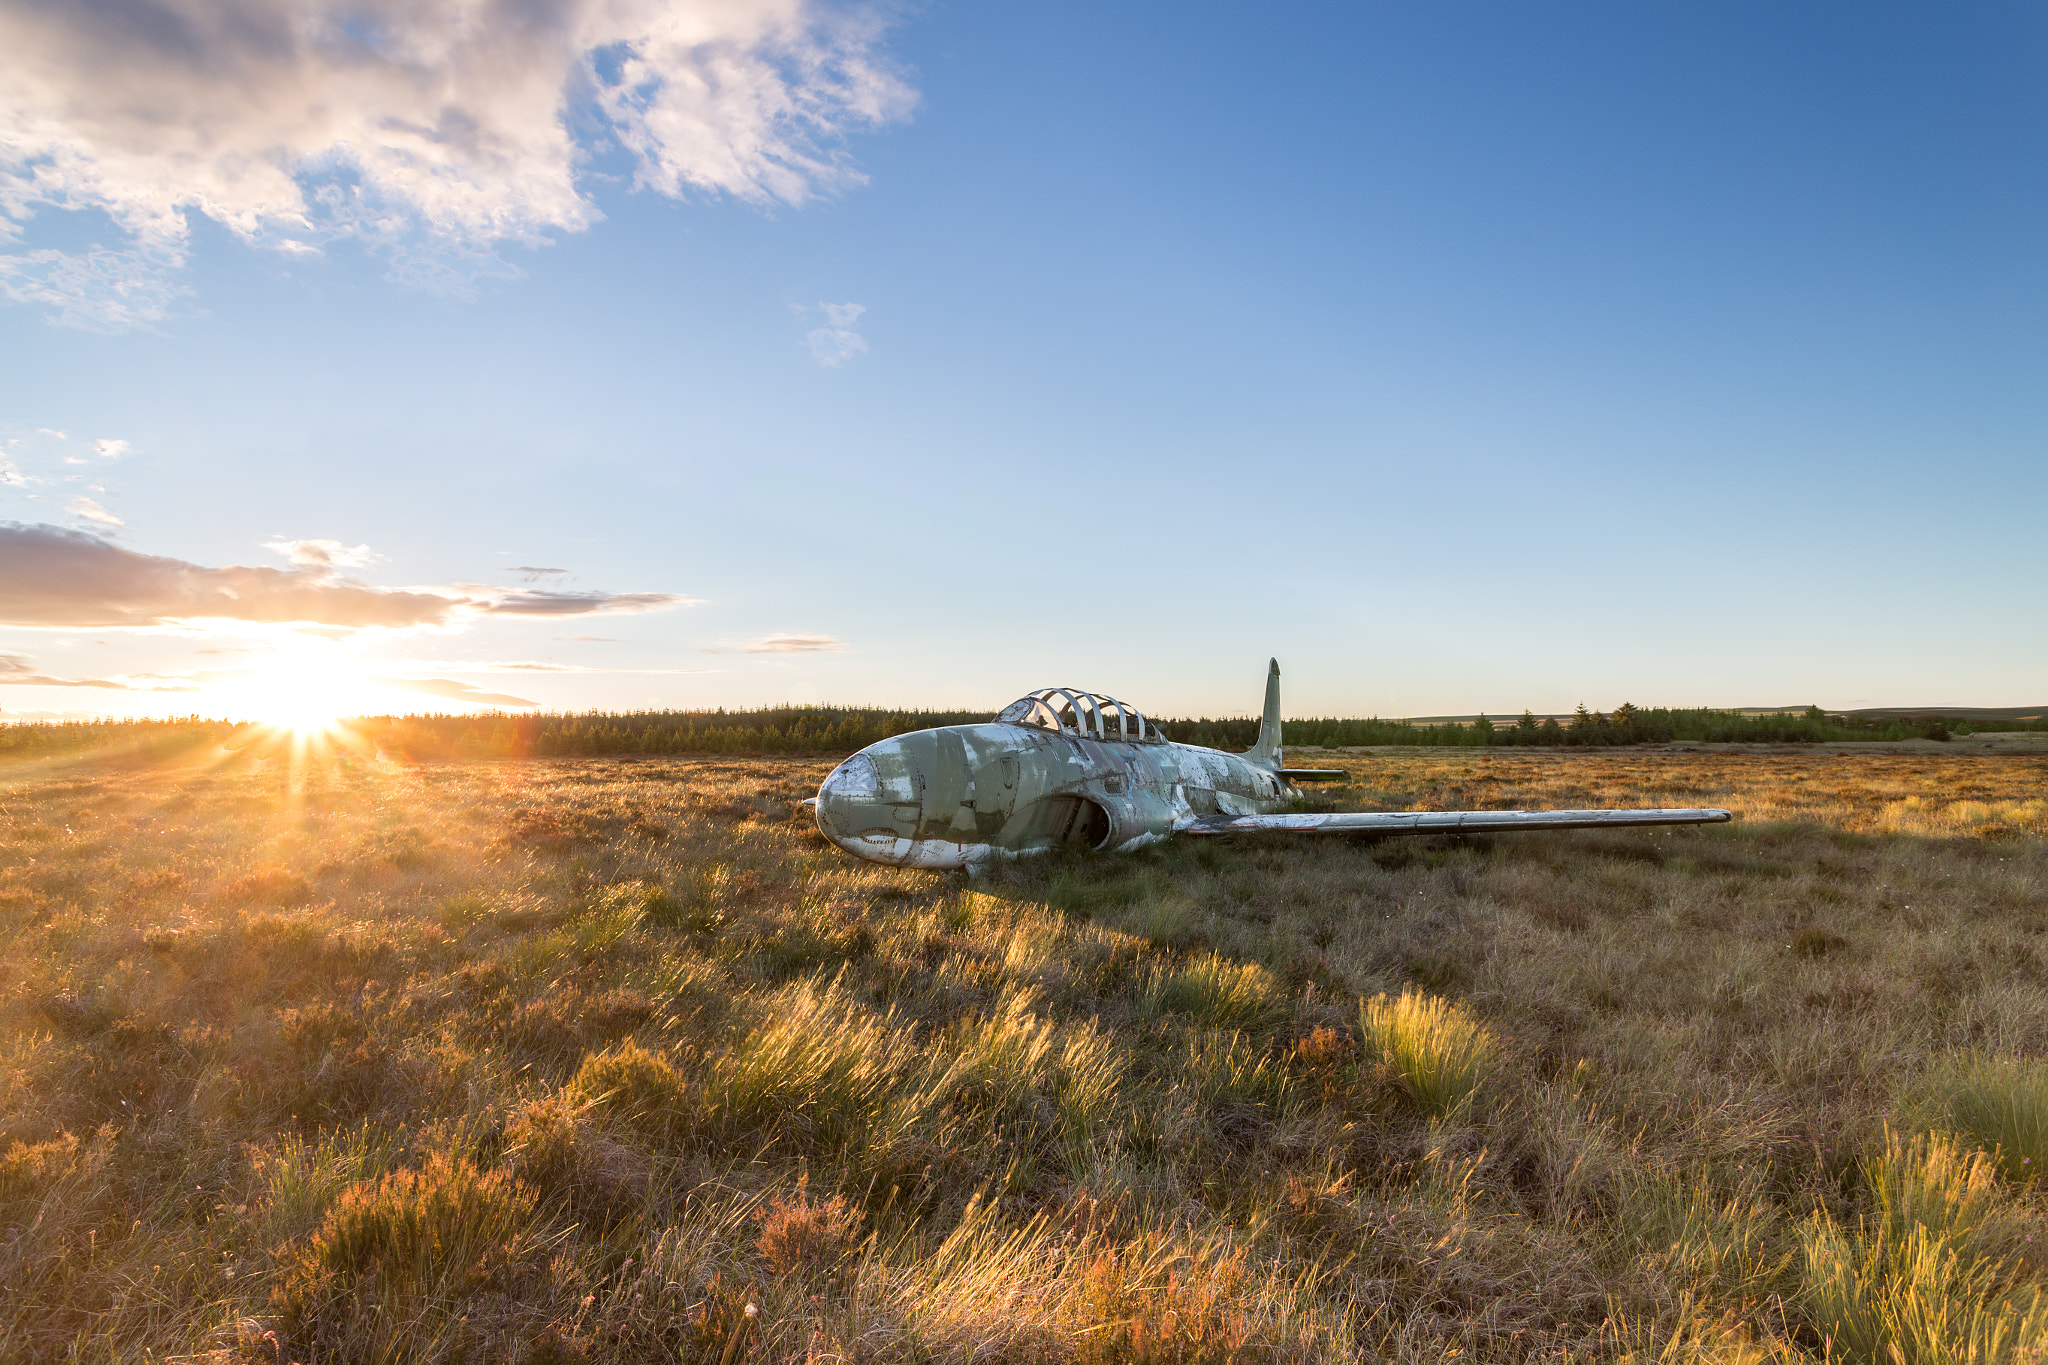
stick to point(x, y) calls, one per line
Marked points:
point(323, 554)
point(783, 644)
point(92, 511)
point(99, 290)
point(434, 130)
point(836, 343)
point(111, 449)
point(52, 431)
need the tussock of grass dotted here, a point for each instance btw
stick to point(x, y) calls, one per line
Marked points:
point(1216, 991)
point(1913, 1283)
point(1916, 1300)
point(1439, 1053)
point(1932, 1182)
point(819, 1068)
point(1729, 1244)
point(2003, 1106)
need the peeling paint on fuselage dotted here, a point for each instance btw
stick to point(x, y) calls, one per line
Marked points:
point(965, 794)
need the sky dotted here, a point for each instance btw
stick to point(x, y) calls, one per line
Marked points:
point(613, 354)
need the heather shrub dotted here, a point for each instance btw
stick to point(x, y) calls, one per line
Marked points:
point(799, 1232)
point(1164, 1303)
point(634, 1089)
point(412, 1264)
point(578, 1168)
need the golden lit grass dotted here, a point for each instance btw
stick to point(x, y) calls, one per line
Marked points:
point(1914, 1281)
point(322, 1058)
point(1437, 1050)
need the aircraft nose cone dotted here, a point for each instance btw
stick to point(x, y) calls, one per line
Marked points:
point(869, 805)
point(849, 792)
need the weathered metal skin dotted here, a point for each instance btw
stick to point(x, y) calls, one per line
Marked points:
point(1063, 767)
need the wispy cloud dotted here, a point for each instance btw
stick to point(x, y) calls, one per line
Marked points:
point(111, 449)
point(783, 644)
point(16, 671)
point(432, 130)
point(92, 511)
point(452, 690)
point(527, 666)
point(836, 342)
point(535, 602)
point(495, 666)
point(52, 577)
point(589, 639)
point(323, 554)
point(533, 573)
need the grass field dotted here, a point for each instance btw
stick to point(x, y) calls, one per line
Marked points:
point(323, 1059)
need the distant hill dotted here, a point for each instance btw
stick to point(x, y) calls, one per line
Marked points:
point(1971, 713)
point(1979, 713)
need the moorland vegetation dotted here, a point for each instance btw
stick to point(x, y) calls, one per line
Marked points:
point(314, 1056)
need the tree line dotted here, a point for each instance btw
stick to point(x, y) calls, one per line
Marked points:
point(845, 729)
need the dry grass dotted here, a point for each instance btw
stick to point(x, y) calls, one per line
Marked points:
point(334, 1060)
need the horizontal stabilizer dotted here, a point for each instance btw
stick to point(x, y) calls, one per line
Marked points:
point(1313, 774)
point(1445, 821)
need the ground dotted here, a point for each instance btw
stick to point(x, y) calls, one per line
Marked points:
point(312, 1056)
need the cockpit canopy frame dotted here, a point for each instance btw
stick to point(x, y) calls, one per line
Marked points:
point(1084, 715)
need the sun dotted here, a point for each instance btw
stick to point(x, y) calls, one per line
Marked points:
point(306, 718)
point(305, 696)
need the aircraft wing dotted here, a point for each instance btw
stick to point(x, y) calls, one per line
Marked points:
point(1445, 821)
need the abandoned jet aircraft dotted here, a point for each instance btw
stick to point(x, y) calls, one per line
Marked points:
point(1064, 767)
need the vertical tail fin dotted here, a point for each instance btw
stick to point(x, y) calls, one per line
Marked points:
point(1267, 750)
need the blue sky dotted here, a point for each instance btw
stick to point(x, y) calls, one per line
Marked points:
point(1482, 356)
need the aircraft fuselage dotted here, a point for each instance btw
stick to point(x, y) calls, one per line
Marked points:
point(1063, 768)
point(965, 794)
